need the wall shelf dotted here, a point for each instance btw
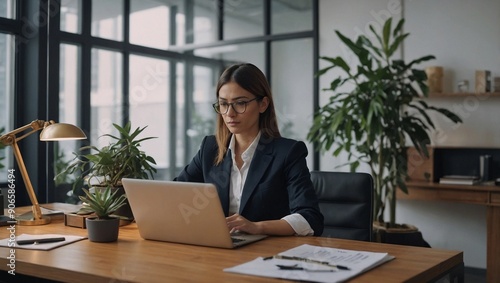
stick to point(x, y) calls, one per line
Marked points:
point(450, 161)
point(464, 94)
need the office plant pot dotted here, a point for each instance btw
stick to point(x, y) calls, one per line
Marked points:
point(402, 234)
point(103, 230)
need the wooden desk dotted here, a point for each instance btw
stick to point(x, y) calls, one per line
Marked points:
point(479, 194)
point(132, 259)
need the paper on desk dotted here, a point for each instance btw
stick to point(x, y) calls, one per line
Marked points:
point(357, 261)
point(45, 246)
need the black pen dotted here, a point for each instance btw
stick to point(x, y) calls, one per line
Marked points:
point(326, 263)
point(40, 241)
point(294, 267)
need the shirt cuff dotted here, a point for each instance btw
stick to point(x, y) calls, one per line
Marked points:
point(299, 224)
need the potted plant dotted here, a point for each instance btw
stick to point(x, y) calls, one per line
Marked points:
point(383, 111)
point(105, 167)
point(102, 203)
point(2, 147)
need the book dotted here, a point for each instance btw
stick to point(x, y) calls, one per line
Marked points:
point(459, 180)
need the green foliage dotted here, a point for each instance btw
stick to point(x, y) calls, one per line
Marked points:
point(384, 109)
point(2, 148)
point(122, 158)
point(60, 164)
point(101, 202)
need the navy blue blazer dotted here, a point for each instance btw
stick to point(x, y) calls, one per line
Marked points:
point(278, 181)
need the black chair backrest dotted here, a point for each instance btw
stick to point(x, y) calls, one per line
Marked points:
point(346, 201)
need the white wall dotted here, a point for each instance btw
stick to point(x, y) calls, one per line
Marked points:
point(351, 18)
point(464, 36)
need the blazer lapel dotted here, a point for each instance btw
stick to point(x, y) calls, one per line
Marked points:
point(260, 162)
point(224, 181)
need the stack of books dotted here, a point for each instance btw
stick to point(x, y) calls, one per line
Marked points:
point(459, 180)
point(496, 84)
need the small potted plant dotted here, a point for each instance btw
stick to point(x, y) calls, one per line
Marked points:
point(104, 227)
point(105, 167)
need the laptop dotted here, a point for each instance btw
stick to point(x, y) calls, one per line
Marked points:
point(181, 212)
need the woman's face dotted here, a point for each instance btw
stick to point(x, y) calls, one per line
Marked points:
point(246, 123)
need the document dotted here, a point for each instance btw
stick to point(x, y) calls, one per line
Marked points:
point(40, 242)
point(313, 263)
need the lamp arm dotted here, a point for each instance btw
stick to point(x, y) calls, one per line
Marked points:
point(37, 212)
point(50, 132)
point(36, 125)
point(11, 139)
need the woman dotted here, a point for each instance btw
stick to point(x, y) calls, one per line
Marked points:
point(262, 179)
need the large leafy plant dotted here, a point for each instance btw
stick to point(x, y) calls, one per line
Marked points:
point(384, 108)
point(122, 158)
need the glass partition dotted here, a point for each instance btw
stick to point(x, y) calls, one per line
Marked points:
point(202, 116)
point(107, 19)
point(248, 52)
point(292, 84)
point(285, 15)
point(71, 16)
point(202, 26)
point(243, 19)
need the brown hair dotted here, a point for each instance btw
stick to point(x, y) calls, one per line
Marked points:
point(249, 77)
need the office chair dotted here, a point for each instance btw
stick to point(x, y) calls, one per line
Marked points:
point(346, 201)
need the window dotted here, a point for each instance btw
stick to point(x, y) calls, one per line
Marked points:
point(7, 8)
point(156, 63)
point(142, 31)
point(149, 102)
point(107, 19)
point(6, 97)
point(71, 16)
point(106, 95)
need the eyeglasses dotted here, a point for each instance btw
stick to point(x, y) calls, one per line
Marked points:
point(239, 106)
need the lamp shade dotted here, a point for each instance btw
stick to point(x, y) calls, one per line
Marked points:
point(62, 131)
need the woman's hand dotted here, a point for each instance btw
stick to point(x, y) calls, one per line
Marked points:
point(238, 223)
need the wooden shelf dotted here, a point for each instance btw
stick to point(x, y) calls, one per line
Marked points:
point(464, 94)
point(487, 195)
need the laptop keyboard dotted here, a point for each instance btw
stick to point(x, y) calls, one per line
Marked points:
point(236, 240)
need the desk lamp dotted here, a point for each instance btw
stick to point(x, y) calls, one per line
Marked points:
point(51, 131)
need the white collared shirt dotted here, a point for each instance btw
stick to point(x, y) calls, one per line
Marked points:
point(238, 178)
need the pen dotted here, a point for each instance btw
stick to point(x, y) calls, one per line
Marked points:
point(326, 263)
point(41, 241)
point(294, 267)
